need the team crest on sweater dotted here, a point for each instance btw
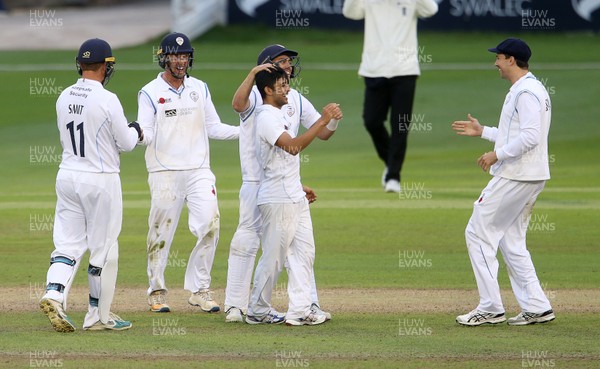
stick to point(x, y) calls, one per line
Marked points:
point(290, 110)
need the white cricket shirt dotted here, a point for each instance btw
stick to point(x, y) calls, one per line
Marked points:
point(299, 111)
point(178, 123)
point(93, 128)
point(521, 139)
point(280, 180)
point(390, 45)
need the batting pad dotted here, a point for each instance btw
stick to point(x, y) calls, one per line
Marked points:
point(108, 282)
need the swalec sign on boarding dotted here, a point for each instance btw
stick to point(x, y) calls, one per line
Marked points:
point(456, 15)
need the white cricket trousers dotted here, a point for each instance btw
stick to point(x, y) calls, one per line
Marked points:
point(286, 232)
point(89, 213)
point(243, 249)
point(169, 191)
point(500, 219)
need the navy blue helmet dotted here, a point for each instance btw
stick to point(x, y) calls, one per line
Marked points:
point(174, 43)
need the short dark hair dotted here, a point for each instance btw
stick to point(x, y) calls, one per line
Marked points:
point(520, 63)
point(268, 78)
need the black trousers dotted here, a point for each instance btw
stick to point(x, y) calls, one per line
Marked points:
point(381, 94)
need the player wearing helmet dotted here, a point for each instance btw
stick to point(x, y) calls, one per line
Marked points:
point(246, 240)
point(178, 117)
point(93, 131)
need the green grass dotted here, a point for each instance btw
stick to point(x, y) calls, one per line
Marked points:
point(386, 340)
point(360, 231)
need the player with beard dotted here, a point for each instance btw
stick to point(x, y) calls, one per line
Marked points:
point(179, 117)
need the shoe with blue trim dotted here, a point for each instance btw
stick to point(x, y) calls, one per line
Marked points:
point(272, 317)
point(115, 323)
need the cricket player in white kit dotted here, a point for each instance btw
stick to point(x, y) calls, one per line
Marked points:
point(519, 164)
point(246, 240)
point(89, 208)
point(178, 118)
point(287, 233)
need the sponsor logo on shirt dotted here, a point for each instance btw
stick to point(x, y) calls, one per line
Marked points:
point(186, 111)
point(179, 112)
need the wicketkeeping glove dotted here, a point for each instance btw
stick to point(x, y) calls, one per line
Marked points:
point(136, 125)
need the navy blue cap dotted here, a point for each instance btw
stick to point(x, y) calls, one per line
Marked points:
point(272, 51)
point(95, 50)
point(513, 47)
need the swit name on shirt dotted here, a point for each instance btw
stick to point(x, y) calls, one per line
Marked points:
point(75, 109)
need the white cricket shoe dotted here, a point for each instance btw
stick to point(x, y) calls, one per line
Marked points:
point(158, 301)
point(234, 315)
point(272, 317)
point(392, 186)
point(313, 318)
point(525, 318)
point(385, 170)
point(317, 310)
point(203, 298)
point(477, 317)
point(115, 323)
point(58, 318)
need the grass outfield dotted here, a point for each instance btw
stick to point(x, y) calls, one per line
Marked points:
point(393, 270)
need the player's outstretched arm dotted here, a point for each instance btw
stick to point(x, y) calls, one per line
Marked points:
point(241, 98)
point(469, 127)
point(296, 144)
